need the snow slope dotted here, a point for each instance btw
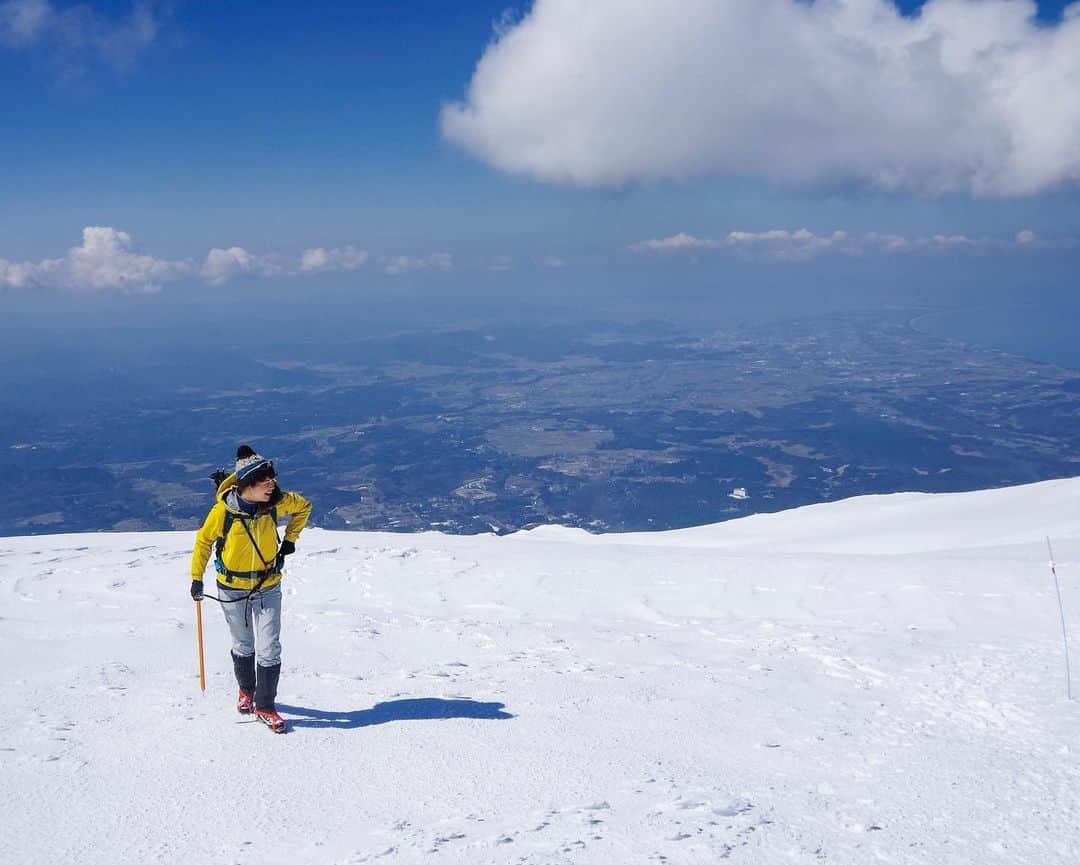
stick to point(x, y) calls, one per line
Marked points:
point(874, 680)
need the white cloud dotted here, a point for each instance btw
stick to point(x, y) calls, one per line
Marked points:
point(107, 261)
point(939, 243)
point(777, 243)
point(946, 242)
point(888, 242)
point(222, 265)
point(675, 243)
point(969, 95)
point(802, 244)
point(347, 258)
point(104, 261)
point(403, 264)
point(78, 32)
point(14, 274)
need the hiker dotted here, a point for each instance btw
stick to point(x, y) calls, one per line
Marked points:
point(242, 527)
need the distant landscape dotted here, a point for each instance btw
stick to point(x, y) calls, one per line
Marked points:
point(608, 427)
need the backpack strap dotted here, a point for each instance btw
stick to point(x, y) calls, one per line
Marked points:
point(219, 563)
point(219, 545)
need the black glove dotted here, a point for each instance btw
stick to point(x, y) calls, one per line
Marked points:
point(287, 549)
point(196, 590)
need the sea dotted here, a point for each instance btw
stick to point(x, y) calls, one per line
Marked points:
point(1045, 333)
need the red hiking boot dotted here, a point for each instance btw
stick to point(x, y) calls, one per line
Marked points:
point(272, 719)
point(245, 702)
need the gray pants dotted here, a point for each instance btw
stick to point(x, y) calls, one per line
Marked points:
point(255, 624)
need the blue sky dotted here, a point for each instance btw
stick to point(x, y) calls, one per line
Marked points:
point(327, 115)
point(367, 134)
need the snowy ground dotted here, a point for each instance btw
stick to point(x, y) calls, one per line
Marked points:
point(876, 680)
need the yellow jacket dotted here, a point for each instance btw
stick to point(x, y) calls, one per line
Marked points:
point(243, 561)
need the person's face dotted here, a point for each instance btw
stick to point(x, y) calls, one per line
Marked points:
point(262, 489)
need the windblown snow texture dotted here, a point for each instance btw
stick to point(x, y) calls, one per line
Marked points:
point(879, 679)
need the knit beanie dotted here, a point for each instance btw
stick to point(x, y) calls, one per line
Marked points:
point(248, 462)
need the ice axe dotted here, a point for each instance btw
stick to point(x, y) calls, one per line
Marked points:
point(198, 630)
point(217, 477)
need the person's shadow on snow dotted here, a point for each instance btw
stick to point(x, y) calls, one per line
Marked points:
point(417, 709)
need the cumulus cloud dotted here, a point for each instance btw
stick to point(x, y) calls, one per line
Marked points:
point(802, 244)
point(776, 243)
point(104, 261)
point(675, 243)
point(946, 243)
point(107, 261)
point(78, 32)
point(968, 95)
point(222, 265)
point(15, 274)
point(403, 264)
point(951, 242)
point(792, 245)
point(347, 258)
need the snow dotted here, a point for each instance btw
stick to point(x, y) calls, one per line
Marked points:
point(874, 680)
